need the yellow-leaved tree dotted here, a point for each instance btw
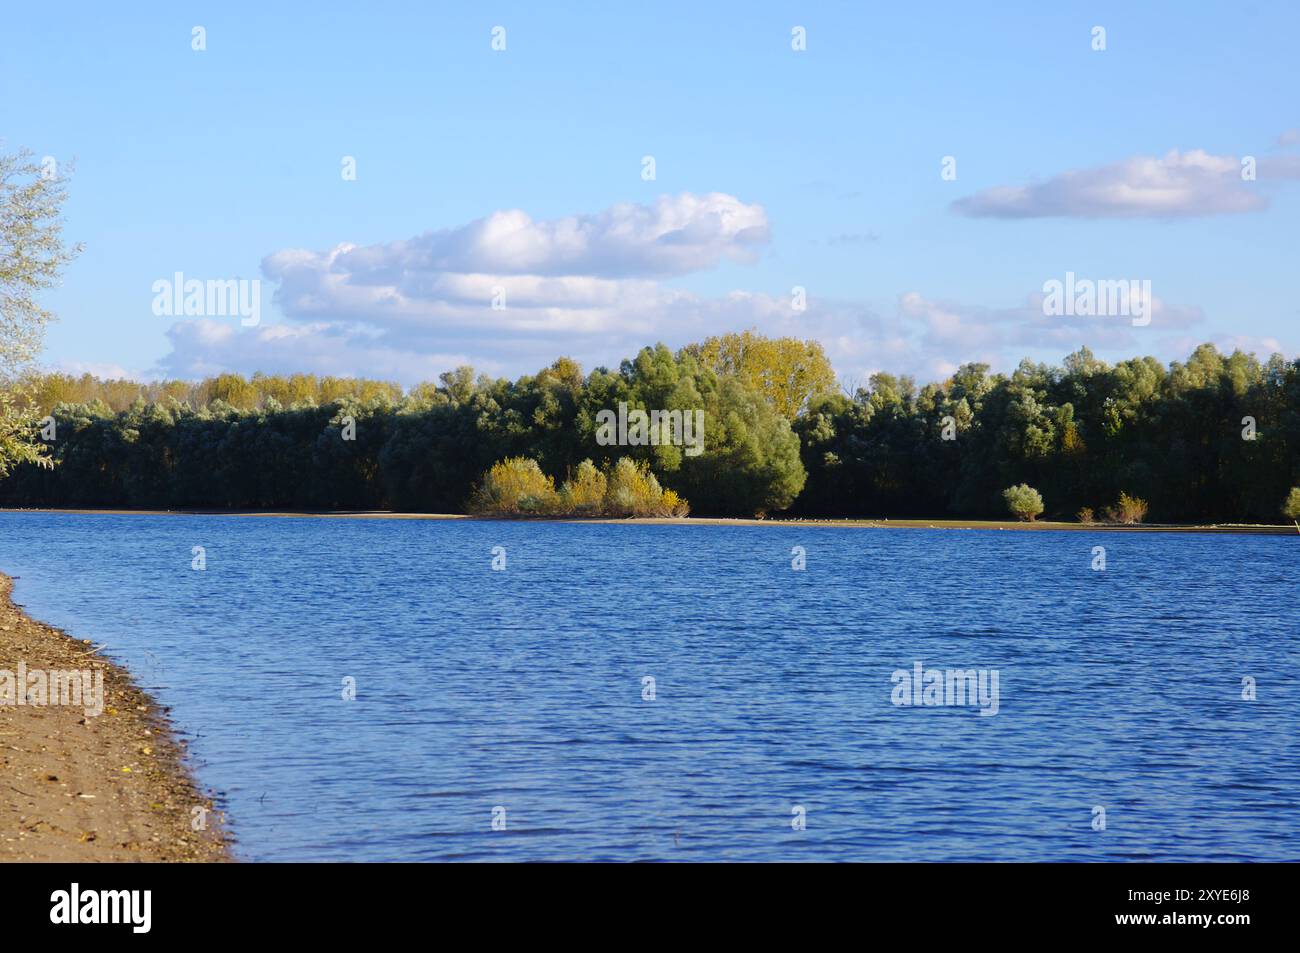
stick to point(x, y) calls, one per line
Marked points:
point(786, 371)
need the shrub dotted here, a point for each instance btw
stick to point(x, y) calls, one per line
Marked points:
point(1024, 501)
point(1291, 508)
point(583, 494)
point(1129, 510)
point(515, 486)
point(673, 505)
point(632, 490)
point(1086, 515)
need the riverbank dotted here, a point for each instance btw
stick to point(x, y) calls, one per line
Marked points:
point(1037, 525)
point(1263, 529)
point(81, 787)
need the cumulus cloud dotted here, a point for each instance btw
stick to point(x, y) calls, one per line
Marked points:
point(675, 235)
point(510, 274)
point(1181, 184)
point(501, 292)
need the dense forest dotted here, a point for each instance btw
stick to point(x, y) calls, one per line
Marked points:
point(1215, 438)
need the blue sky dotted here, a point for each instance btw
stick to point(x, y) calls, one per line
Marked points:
point(521, 170)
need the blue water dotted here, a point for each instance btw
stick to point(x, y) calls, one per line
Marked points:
point(523, 689)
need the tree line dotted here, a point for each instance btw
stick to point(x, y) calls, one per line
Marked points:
point(1214, 438)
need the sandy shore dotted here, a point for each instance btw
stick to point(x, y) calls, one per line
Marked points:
point(1038, 525)
point(76, 787)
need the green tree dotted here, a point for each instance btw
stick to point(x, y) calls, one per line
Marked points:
point(1023, 501)
point(751, 463)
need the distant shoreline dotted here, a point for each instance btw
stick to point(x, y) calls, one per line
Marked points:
point(1250, 529)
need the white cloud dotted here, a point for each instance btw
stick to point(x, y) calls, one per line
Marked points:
point(583, 285)
point(586, 275)
point(676, 235)
point(1178, 185)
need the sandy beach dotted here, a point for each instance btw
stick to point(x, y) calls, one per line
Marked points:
point(83, 787)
